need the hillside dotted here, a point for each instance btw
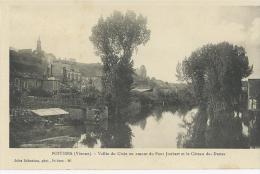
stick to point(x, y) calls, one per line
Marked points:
point(26, 63)
point(90, 70)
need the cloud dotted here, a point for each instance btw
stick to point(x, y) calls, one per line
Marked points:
point(253, 47)
point(254, 33)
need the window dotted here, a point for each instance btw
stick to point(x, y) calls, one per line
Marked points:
point(16, 81)
point(244, 88)
point(252, 104)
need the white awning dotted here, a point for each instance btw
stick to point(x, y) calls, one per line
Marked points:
point(49, 112)
point(142, 89)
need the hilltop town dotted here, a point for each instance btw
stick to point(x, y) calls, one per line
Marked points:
point(41, 83)
point(38, 69)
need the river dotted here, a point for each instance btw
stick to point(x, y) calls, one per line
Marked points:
point(158, 128)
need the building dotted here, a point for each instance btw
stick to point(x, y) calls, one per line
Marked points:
point(52, 85)
point(93, 81)
point(254, 94)
point(245, 86)
point(39, 45)
point(65, 71)
point(52, 114)
point(254, 111)
point(58, 69)
point(26, 81)
point(38, 69)
point(71, 73)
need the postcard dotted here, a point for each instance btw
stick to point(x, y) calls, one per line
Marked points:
point(130, 84)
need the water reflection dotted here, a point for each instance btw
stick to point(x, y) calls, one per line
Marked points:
point(152, 127)
point(116, 135)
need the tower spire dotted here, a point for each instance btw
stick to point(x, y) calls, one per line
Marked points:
point(39, 47)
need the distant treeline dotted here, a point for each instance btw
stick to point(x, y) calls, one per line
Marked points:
point(36, 63)
point(27, 63)
point(164, 93)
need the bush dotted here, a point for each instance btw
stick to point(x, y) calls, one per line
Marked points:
point(39, 92)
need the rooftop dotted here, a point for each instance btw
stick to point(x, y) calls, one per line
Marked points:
point(49, 112)
point(27, 75)
point(142, 89)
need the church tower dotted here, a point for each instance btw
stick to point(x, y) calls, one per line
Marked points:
point(39, 47)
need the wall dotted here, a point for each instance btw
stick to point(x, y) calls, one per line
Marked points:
point(51, 85)
point(76, 114)
point(27, 83)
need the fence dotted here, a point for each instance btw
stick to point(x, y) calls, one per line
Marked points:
point(19, 112)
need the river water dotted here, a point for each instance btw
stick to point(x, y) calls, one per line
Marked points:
point(158, 128)
point(159, 133)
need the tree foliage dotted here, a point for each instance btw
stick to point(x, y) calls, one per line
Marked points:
point(215, 72)
point(115, 39)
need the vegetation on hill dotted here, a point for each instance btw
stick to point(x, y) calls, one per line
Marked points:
point(27, 62)
point(90, 69)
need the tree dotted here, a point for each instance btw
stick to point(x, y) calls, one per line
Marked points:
point(115, 39)
point(179, 72)
point(215, 72)
point(15, 96)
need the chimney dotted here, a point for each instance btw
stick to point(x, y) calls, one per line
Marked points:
point(51, 70)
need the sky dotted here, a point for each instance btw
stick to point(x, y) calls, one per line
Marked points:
point(176, 31)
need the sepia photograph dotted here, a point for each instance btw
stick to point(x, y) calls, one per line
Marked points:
point(134, 75)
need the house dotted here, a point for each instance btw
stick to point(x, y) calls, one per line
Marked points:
point(91, 81)
point(58, 69)
point(51, 85)
point(254, 111)
point(254, 94)
point(244, 86)
point(26, 81)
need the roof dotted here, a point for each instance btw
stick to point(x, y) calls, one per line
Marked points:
point(142, 89)
point(27, 75)
point(51, 78)
point(49, 112)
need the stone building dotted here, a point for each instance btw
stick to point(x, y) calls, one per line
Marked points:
point(26, 81)
point(254, 94)
point(254, 111)
point(52, 85)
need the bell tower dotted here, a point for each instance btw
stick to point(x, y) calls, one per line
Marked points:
point(39, 47)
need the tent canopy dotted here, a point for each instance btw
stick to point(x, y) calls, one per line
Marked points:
point(142, 89)
point(50, 112)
